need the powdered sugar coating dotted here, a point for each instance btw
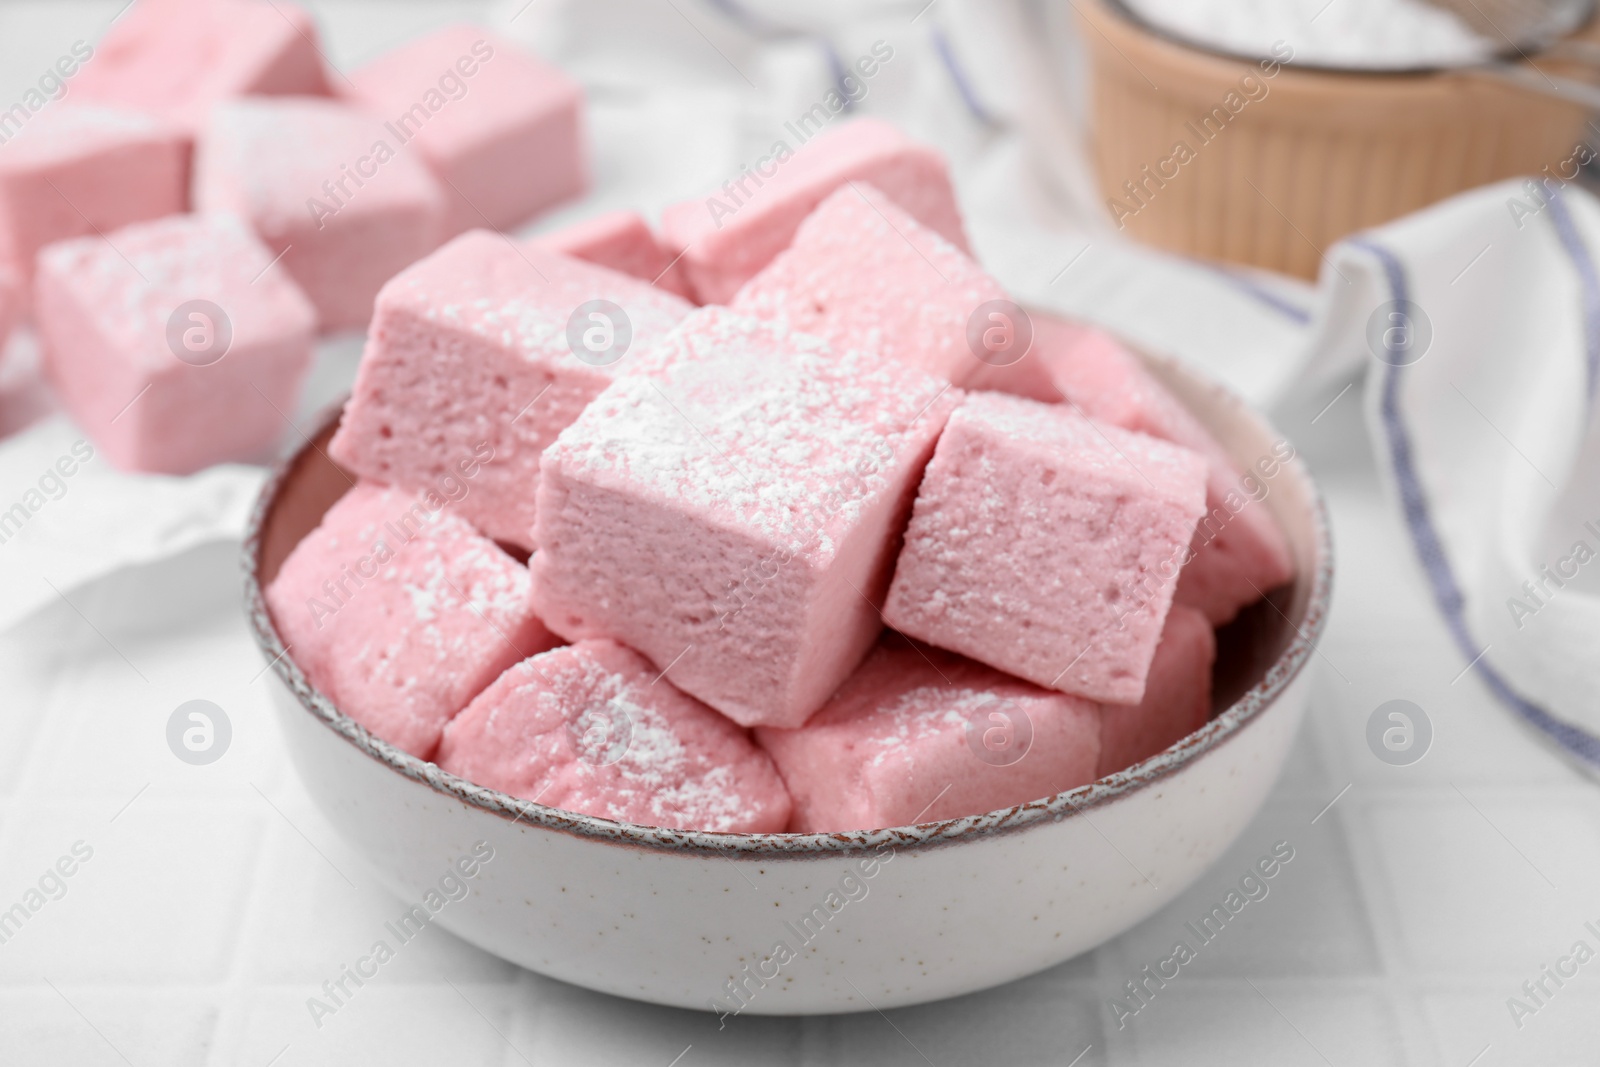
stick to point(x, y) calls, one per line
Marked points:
point(401, 613)
point(591, 728)
point(904, 740)
point(731, 234)
point(470, 345)
point(754, 424)
point(863, 273)
point(731, 510)
point(1048, 546)
point(104, 306)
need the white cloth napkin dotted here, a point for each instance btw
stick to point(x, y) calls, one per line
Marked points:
point(1478, 325)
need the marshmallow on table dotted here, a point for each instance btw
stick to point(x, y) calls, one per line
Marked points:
point(623, 241)
point(920, 735)
point(502, 129)
point(1047, 546)
point(400, 613)
point(1238, 551)
point(731, 511)
point(1177, 696)
point(475, 344)
point(176, 58)
point(175, 344)
point(82, 169)
point(592, 728)
point(863, 273)
point(731, 234)
point(322, 184)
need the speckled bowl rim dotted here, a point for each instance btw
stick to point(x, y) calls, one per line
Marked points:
point(1056, 808)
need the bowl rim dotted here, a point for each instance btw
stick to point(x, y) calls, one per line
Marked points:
point(1073, 803)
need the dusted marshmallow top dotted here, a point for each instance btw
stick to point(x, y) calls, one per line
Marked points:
point(401, 613)
point(135, 284)
point(593, 728)
point(71, 131)
point(755, 425)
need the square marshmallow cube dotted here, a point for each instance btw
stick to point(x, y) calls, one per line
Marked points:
point(590, 728)
point(176, 58)
point(175, 344)
point(1239, 552)
point(502, 129)
point(733, 512)
point(730, 235)
point(400, 613)
point(920, 735)
point(1047, 546)
point(475, 344)
point(623, 241)
point(81, 169)
point(863, 273)
point(323, 184)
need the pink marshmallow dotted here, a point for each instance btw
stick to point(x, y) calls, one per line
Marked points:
point(322, 184)
point(623, 241)
point(10, 302)
point(1047, 546)
point(919, 735)
point(1239, 552)
point(472, 344)
point(731, 234)
point(592, 728)
point(401, 613)
point(1177, 696)
point(862, 273)
point(503, 130)
point(733, 513)
point(175, 344)
point(176, 58)
point(76, 170)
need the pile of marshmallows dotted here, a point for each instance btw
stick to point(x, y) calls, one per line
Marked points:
point(829, 555)
point(177, 339)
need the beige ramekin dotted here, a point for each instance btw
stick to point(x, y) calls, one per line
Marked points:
point(1305, 157)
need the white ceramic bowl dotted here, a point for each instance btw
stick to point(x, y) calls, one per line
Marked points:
point(872, 919)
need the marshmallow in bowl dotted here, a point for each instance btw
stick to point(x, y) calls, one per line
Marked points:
point(1047, 546)
point(175, 344)
point(502, 129)
point(919, 735)
point(79, 169)
point(594, 728)
point(346, 210)
point(474, 343)
point(1177, 695)
point(401, 613)
point(732, 511)
point(727, 237)
point(1239, 552)
point(863, 273)
point(622, 241)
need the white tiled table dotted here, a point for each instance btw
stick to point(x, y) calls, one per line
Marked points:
point(217, 899)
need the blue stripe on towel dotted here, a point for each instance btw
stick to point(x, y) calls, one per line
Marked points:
point(1425, 538)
